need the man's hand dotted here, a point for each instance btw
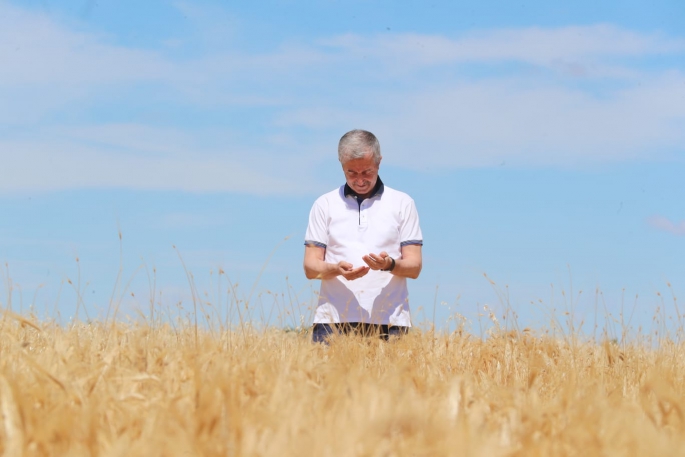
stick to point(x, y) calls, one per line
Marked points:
point(347, 271)
point(378, 261)
point(316, 268)
point(407, 265)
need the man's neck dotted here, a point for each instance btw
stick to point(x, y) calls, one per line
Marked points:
point(377, 189)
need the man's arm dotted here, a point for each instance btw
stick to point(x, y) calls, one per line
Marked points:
point(411, 262)
point(407, 266)
point(316, 268)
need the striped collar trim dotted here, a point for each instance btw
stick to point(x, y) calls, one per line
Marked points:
point(377, 190)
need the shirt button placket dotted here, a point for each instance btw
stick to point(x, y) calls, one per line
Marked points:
point(363, 216)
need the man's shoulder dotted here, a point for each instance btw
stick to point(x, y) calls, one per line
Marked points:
point(397, 195)
point(326, 198)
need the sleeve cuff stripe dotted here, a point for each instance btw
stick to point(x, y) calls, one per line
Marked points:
point(410, 242)
point(314, 243)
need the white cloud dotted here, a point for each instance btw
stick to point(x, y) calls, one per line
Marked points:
point(55, 54)
point(130, 138)
point(483, 124)
point(666, 225)
point(215, 27)
point(35, 49)
point(533, 45)
point(46, 165)
point(583, 96)
point(189, 220)
point(493, 121)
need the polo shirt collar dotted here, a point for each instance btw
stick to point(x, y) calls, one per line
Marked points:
point(377, 190)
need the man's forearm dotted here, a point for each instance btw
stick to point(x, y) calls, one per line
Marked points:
point(319, 269)
point(407, 268)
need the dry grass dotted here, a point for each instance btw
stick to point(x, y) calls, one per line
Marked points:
point(139, 390)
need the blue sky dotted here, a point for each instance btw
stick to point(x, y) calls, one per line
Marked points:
point(543, 143)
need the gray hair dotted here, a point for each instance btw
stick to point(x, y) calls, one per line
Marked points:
point(356, 144)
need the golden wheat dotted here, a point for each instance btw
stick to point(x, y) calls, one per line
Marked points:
point(140, 390)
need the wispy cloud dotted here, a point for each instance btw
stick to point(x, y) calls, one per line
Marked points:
point(80, 110)
point(532, 45)
point(47, 166)
point(486, 122)
point(482, 124)
point(189, 220)
point(36, 49)
point(666, 225)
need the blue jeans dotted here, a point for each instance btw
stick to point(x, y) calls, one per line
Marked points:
point(321, 332)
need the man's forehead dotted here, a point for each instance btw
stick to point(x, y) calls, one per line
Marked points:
point(358, 165)
point(363, 162)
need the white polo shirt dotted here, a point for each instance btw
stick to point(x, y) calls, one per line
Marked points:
point(348, 230)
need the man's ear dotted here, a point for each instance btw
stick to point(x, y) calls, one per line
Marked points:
point(379, 160)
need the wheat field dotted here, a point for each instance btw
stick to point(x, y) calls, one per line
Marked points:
point(135, 389)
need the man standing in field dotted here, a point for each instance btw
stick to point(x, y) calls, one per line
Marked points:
point(363, 240)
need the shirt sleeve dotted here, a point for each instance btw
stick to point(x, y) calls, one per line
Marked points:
point(410, 230)
point(317, 229)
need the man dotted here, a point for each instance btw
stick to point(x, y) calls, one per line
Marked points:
point(363, 240)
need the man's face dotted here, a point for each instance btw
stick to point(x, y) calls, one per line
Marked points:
point(361, 174)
